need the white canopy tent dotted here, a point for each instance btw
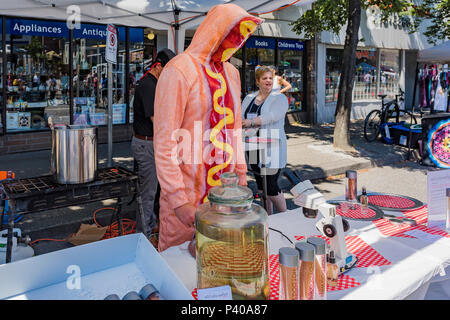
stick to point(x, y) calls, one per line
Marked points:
point(437, 54)
point(175, 16)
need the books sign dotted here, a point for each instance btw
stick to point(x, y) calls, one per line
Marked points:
point(111, 44)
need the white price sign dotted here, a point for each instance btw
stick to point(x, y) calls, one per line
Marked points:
point(111, 44)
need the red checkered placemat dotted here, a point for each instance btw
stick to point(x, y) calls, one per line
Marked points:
point(367, 256)
point(388, 201)
point(345, 210)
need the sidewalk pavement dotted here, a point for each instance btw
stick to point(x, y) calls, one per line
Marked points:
point(310, 154)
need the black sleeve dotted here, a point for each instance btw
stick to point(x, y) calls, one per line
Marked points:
point(148, 98)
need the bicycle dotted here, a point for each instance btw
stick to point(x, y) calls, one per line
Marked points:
point(379, 119)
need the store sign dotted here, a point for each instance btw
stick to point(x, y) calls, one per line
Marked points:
point(260, 43)
point(366, 54)
point(37, 28)
point(90, 31)
point(396, 21)
point(97, 32)
point(136, 35)
point(284, 44)
point(59, 29)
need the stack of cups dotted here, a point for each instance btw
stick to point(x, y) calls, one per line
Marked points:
point(320, 267)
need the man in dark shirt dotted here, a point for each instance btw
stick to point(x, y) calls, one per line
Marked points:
point(142, 142)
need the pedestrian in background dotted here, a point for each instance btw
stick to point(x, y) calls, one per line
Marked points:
point(265, 111)
point(142, 142)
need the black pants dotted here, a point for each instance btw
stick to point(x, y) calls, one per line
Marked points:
point(272, 180)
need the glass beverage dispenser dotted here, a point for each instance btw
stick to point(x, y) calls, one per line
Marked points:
point(232, 241)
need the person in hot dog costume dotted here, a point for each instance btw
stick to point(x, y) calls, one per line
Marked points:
point(198, 120)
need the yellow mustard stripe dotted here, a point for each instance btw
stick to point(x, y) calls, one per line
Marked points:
point(229, 119)
point(246, 28)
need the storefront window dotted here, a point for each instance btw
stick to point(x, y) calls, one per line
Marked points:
point(90, 81)
point(365, 85)
point(290, 67)
point(333, 73)
point(37, 65)
point(138, 46)
point(365, 82)
point(389, 72)
point(259, 51)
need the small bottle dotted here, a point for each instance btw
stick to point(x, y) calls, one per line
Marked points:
point(364, 201)
point(149, 292)
point(332, 270)
point(306, 270)
point(320, 267)
point(447, 224)
point(132, 295)
point(289, 274)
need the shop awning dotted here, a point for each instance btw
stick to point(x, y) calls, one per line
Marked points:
point(436, 54)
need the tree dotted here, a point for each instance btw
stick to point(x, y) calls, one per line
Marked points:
point(437, 12)
point(332, 15)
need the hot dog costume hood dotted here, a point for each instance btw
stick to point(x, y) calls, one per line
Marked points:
point(197, 118)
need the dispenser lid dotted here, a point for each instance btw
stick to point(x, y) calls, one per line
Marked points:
point(230, 193)
point(147, 290)
point(351, 174)
point(319, 244)
point(288, 257)
point(132, 295)
point(306, 251)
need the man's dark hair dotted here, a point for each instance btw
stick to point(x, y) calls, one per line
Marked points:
point(164, 56)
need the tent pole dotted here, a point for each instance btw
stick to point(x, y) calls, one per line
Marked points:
point(412, 111)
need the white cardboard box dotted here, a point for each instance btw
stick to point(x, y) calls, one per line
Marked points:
point(92, 272)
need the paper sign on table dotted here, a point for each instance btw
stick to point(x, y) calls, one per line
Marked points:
point(216, 293)
point(437, 184)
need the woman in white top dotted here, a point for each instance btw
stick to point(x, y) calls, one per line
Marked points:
point(266, 110)
point(280, 84)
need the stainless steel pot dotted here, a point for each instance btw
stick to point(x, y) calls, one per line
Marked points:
point(74, 154)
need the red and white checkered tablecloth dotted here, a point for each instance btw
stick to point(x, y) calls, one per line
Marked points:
point(346, 211)
point(419, 215)
point(387, 201)
point(367, 256)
